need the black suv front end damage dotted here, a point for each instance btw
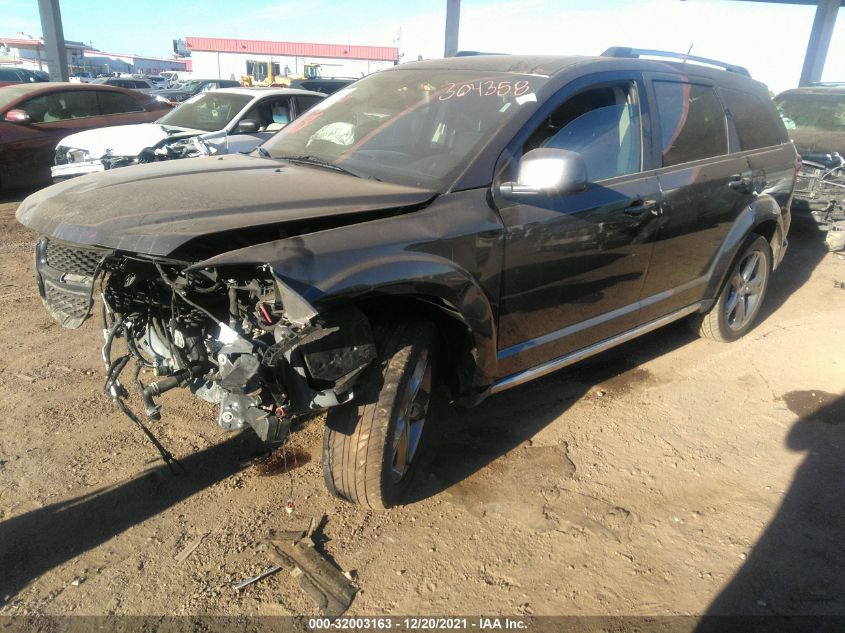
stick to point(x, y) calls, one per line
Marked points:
point(243, 340)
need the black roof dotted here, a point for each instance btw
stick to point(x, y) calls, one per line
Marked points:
point(550, 65)
point(546, 65)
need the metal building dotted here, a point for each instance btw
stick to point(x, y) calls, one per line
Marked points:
point(224, 58)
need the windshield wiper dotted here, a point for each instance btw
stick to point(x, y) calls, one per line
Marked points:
point(314, 160)
point(264, 153)
point(170, 131)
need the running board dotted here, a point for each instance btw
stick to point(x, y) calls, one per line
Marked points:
point(578, 355)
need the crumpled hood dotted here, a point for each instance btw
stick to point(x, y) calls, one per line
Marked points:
point(123, 140)
point(157, 207)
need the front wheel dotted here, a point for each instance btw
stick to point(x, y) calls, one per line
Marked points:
point(370, 446)
point(738, 305)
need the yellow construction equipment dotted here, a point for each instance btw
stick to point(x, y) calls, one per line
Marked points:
point(264, 74)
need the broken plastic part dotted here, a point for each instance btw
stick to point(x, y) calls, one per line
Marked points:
point(297, 309)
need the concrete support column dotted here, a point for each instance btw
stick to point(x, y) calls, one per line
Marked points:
point(54, 39)
point(819, 42)
point(453, 22)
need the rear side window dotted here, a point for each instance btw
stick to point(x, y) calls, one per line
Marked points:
point(61, 106)
point(117, 103)
point(692, 122)
point(754, 119)
point(303, 103)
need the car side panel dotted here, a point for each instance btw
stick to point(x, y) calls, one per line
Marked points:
point(774, 173)
point(450, 253)
point(574, 268)
point(699, 206)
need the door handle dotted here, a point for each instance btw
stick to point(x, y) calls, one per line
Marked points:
point(741, 182)
point(642, 206)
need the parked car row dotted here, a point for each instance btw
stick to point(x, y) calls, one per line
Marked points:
point(188, 89)
point(53, 131)
point(13, 75)
point(448, 228)
point(34, 117)
point(216, 122)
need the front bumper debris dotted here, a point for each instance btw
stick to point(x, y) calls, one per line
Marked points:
point(71, 170)
point(65, 276)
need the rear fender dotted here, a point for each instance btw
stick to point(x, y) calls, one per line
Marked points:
point(762, 210)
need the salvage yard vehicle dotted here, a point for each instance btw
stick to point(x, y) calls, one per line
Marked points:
point(129, 83)
point(815, 120)
point(10, 75)
point(217, 122)
point(326, 85)
point(35, 116)
point(461, 225)
point(192, 87)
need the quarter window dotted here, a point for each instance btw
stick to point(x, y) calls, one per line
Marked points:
point(304, 103)
point(692, 122)
point(754, 120)
point(600, 124)
point(117, 103)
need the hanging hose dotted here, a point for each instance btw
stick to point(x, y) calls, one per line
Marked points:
point(116, 392)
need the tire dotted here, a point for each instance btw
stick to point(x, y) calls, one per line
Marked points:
point(744, 291)
point(370, 444)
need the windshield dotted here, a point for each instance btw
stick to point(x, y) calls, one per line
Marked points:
point(191, 86)
point(210, 111)
point(413, 127)
point(813, 111)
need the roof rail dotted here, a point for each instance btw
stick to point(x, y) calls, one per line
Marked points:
point(623, 51)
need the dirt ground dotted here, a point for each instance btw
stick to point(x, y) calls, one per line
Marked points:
point(670, 476)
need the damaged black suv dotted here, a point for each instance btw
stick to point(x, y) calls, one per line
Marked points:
point(471, 223)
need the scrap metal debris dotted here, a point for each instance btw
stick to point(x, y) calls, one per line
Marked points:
point(245, 583)
point(835, 238)
point(181, 556)
point(331, 589)
point(823, 190)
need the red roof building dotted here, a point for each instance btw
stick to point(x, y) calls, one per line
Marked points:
point(292, 49)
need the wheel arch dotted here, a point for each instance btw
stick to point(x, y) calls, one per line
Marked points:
point(404, 282)
point(431, 287)
point(762, 217)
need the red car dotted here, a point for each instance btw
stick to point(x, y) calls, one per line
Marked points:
point(35, 117)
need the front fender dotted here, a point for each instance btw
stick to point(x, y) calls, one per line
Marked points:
point(453, 261)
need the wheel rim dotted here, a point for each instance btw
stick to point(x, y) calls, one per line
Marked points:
point(413, 408)
point(745, 290)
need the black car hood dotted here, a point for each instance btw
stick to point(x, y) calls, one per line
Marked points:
point(158, 207)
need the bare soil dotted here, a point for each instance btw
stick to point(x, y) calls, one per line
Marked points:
point(670, 476)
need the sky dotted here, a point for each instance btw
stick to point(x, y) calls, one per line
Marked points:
point(769, 39)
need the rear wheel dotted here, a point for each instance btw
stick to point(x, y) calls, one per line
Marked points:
point(370, 446)
point(738, 305)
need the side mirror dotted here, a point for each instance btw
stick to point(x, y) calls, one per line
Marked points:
point(18, 116)
point(547, 171)
point(247, 126)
